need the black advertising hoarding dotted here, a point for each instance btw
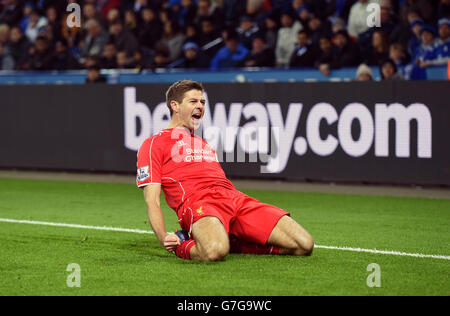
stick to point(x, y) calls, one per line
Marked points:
point(389, 132)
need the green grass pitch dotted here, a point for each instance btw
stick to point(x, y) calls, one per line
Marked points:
point(34, 259)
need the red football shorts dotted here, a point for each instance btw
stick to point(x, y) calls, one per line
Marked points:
point(244, 217)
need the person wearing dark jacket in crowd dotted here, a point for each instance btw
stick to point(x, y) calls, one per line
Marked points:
point(325, 55)
point(19, 46)
point(94, 76)
point(261, 55)
point(40, 57)
point(389, 70)
point(108, 60)
point(380, 48)
point(209, 37)
point(123, 39)
point(11, 13)
point(62, 58)
point(347, 54)
point(305, 53)
point(150, 30)
point(194, 58)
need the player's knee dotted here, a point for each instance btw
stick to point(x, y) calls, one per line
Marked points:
point(216, 252)
point(307, 245)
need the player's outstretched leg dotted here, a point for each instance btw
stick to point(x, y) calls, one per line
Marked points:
point(209, 240)
point(291, 238)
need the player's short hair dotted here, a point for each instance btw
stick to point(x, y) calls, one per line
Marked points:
point(177, 91)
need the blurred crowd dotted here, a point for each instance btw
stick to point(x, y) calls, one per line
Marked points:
point(407, 36)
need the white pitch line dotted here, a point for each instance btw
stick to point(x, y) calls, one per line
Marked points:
point(148, 232)
point(113, 229)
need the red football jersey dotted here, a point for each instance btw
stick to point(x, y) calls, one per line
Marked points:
point(181, 162)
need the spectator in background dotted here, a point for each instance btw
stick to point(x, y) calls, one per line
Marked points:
point(325, 55)
point(4, 34)
point(123, 39)
point(398, 55)
point(441, 54)
point(357, 21)
point(270, 29)
point(53, 21)
point(124, 61)
point(193, 57)
point(188, 13)
point(247, 30)
point(35, 23)
point(426, 51)
point(94, 41)
point(160, 60)
point(425, 8)
point(364, 73)
point(209, 38)
point(304, 14)
point(173, 39)
point(318, 28)
point(104, 6)
point(108, 60)
point(63, 59)
point(150, 29)
point(444, 9)
point(131, 23)
point(40, 56)
point(389, 71)
point(192, 33)
point(347, 53)
point(6, 58)
point(209, 10)
point(94, 76)
point(402, 31)
point(423, 54)
point(232, 10)
point(305, 53)
point(19, 46)
point(414, 41)
point(380, 48)
point(261, 54)
point(90, 12)
point(287, 38)
point(231, 55)
point(28, 7)
point(137, 5)
point(11, 13)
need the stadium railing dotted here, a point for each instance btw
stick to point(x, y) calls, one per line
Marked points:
point(169, 76)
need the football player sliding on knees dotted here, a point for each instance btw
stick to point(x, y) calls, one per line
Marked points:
point(215, 218)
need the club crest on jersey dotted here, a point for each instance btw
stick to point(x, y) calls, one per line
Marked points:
point(200, 210)
point(143, 174)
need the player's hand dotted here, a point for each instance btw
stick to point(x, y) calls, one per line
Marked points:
point(171, 242)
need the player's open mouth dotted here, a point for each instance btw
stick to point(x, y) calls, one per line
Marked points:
point(196, 118)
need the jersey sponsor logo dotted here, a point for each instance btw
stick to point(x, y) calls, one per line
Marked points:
point(143, 173)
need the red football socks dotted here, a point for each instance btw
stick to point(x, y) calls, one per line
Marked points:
point(184, 250)
point(244, 247)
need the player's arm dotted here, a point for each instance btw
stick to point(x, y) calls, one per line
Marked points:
point(152, 195)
